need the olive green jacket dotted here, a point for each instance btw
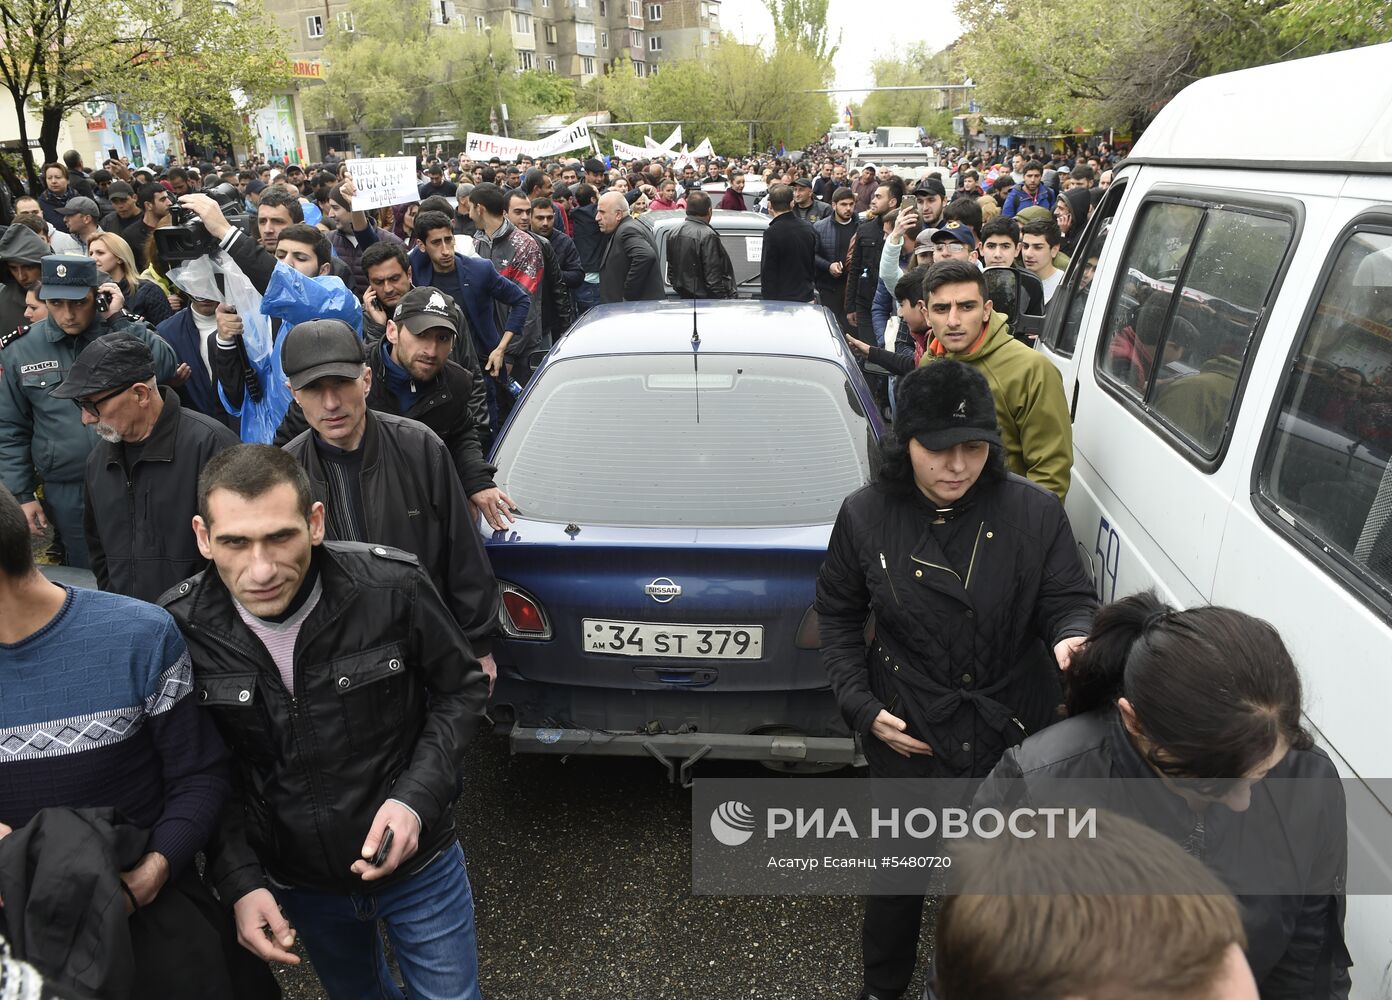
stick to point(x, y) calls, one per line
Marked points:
point(1031, 406)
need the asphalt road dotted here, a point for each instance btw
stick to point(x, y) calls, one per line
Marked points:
point(581, 871)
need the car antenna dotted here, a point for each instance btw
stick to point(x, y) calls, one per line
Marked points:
point(695, 364)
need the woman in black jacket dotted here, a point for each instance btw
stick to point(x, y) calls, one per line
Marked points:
point(1195, 717)
point(978, 598)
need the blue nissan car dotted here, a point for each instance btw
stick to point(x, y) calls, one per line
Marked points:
point(677, 467)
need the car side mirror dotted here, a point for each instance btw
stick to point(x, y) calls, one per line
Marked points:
point(1003, 289)
point(1009, 295)
point(535, 358)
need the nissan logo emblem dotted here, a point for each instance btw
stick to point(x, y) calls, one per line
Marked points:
point(662, 590)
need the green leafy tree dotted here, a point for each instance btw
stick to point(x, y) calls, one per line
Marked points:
point(172, 62)
point(1107, 64)
point(397, 70)
point(916, 67)
point(803, 23)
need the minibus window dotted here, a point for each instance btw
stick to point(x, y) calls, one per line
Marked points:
point(1194, 287)
point(1078, 283)
point(1327, 464)
point(1140, 305)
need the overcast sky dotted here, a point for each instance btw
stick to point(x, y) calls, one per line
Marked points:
point(868, 28)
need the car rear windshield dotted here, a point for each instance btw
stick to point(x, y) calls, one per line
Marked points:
point(645, 441)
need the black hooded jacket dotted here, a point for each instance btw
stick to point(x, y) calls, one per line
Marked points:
point(20, 245)
point(1292, 835)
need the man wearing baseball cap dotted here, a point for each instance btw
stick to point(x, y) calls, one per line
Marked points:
point(954, 241)
point(383, 478)
point(42, 437)
point(125, 209)
point(805, 207)
point(930, 196)
point(142, 476)
point(414, 376)
point(82, 215)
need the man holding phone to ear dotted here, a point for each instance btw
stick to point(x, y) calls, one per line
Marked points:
point(347, 693)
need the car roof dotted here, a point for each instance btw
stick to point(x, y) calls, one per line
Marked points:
point(1243, 119)
point(722, 219)
point(743, 326)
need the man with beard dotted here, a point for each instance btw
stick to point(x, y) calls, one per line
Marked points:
point(834, 233)
point(413, 376)
point(142, 476)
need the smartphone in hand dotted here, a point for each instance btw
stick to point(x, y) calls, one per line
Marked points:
point(383, 849)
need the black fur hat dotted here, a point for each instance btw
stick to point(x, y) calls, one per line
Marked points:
point(944, 403)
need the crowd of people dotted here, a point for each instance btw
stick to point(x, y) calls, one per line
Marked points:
point(290, 646)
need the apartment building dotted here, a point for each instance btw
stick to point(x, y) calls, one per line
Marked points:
point(573, 38)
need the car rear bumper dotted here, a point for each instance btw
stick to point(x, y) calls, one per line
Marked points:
point(679, 752)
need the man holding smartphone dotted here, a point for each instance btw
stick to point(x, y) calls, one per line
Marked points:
point(347, 693)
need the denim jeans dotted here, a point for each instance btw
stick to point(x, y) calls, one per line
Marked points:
point(429, 918)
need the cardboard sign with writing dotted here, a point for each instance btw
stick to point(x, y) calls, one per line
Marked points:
point(389, 180)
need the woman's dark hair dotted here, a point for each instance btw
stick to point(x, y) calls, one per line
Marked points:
point(1213, 689)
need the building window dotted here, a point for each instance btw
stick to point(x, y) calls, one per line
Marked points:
point(345, 21)
point(550, 64)
point(654, 43)
point(584, 34)
point(522, 23)
point(526, 59)
point(635, 38)
point(635, 8)
point(654, 12)
point(603, 8)
point(479, 22)
point(314, 26)
point(587, 65)
point(550, 34)
point(640, 68)
point(604, 39)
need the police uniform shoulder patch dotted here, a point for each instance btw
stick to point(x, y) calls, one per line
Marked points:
point(6, 339)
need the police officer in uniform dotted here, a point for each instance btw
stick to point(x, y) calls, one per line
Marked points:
point(42, 438)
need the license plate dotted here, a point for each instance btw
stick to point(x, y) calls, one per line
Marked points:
point(691, 642)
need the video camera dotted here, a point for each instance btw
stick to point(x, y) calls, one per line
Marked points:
point(186, 238)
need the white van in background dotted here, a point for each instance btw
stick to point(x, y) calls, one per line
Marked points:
point(1225, 334)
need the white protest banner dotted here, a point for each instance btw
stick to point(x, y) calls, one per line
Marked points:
point(673, 139)
point(388, 180)
point(626, 152)
point(478, 146)
point(705, 150)
point(651, 149)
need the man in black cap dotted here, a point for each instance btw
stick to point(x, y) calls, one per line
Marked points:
point(413, 376)
point(384, 478)
point(805, 207)
point(125, 209)
point(42, 438)
point(142, 476)
point(931, 195)
point(82, 215)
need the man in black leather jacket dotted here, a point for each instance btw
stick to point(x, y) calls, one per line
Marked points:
point(413, 376)
point(384, 479)
point(347, 693)
point(697, 265)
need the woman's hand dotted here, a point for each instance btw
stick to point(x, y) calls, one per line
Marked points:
point(891, 729)
point(1065, 648)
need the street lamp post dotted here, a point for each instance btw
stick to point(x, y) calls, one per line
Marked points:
point(497, 81)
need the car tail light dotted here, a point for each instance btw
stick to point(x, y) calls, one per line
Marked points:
point(520, 615)
point(809, 633)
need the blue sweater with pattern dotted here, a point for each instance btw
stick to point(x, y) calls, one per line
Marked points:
point(95, 710)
